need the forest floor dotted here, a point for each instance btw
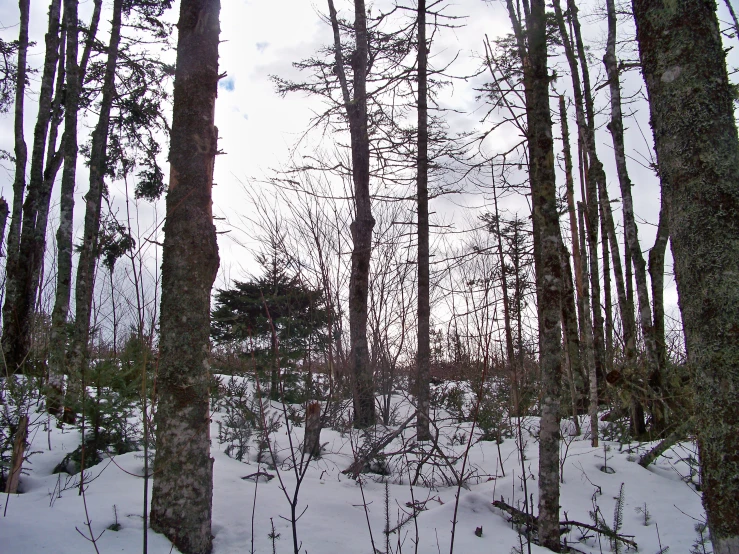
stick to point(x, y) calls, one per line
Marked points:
point(660, 506)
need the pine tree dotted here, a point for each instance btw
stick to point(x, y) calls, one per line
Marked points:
point(275, 317)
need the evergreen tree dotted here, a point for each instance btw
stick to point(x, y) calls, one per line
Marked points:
point(276, 317)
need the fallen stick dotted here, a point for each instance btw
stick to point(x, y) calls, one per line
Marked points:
point(522, 518)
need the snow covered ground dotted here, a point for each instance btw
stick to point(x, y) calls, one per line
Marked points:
point(334, 519)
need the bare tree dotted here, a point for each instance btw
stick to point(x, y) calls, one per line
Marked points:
point(355, 104)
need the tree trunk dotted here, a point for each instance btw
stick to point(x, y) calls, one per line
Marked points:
point(592, 373)
point(361, 227)
point(684, 66)
point(511, 361)
point(424, 309)
point(631, 233)
point(549, 278)
point(4, 210)
point(607, 296)
point(182, 492)
point(589, 171)
point(24, 275)
point(657, 277)
point(312, 442)
point(33, 233)
point(85, 282)
point(13, 350)
point(572, 339)
point(58, 334)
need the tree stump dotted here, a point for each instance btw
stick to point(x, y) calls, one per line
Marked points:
point(16, 461)
point(312, 442)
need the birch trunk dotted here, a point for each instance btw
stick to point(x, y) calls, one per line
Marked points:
point(182, 492)
point(695, 134)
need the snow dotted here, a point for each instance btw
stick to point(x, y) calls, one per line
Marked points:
point(42, 519)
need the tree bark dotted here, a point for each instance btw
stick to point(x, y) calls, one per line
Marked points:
point(549, 279)
point(23, 275)
point(13, 350)
point(589, 175)
point(572, 339)
point(58, 334)
point(4, 211)
point(655, 362)
point(424, 309)
point(607, 297)
point(657, 278)
point(361, 227)
point(312, 442)
point(182, 492)
point(684, 67)
point(592, 374)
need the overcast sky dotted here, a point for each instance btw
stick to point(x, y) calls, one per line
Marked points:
point(258, 128)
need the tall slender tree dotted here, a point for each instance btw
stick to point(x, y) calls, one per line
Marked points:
point(58, 334)
point(13, 348)
point(695, 134)
point(84, 284)
point(355, 103)
point(424, 309)
point(183, 485)
point(548, 270)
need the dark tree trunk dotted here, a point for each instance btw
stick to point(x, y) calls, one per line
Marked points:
point(657, 277)
point(23, 279)
point(508, 324)
point(35, 207)
point(182, 492)
point(85, 282)
point(13, 349)
point(58, 334)
point(361, 227)
point(631, 233)
point(4, 211)
point(590, 170)
point(607, 296)
point(692, 115)
point(592, 373)
point(572, 339)
point(549, 278)
point(424, 309)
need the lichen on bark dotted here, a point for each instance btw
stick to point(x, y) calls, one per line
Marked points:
point(698, 155)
